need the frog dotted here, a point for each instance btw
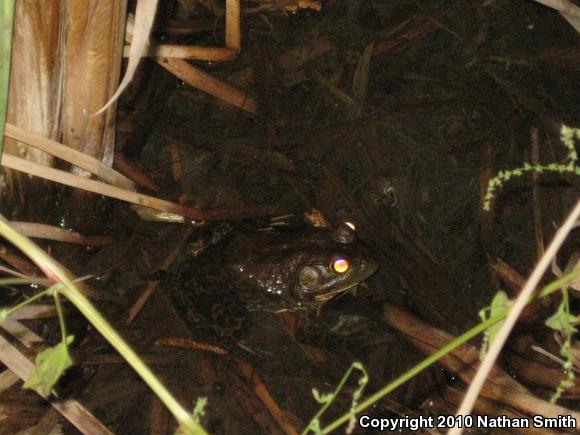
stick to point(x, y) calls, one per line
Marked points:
point(273, 271)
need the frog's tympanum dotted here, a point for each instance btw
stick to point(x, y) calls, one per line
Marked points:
point(269, 271)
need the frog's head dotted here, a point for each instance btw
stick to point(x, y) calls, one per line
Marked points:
point(280, 272)
point(333, 266)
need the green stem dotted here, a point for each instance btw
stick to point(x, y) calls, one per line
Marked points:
point(337, 390)
point(29, 280)
point(60, 316)
point(473, 332)
point(30, 300)
point(55, 272)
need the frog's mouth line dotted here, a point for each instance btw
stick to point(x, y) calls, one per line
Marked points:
point(329, 295)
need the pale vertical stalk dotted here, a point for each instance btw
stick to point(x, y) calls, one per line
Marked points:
point(93, 50)
point(35, 75)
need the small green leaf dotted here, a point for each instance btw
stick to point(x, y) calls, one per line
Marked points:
point(199, 408)
point(50, 366)
point(562, 320)
point(499, 304)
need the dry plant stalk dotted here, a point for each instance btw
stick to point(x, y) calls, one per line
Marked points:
point(70, 155)
point(144, 19)
point(7, 379)
point(34, 96)
point(92, 57)
point(191, 52)
point(123, 188)
point(68, 179)
point(198, 78)
point(233, 33)
point(201, 80)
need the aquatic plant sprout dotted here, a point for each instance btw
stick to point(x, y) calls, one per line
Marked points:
point(567, 135)
point(326, 400)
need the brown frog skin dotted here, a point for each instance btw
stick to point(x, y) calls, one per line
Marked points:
point(268, 271)
point(281, 272)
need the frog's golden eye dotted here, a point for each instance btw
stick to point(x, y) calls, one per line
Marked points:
point(310, 277)
point(351, 225)
point(340, 265)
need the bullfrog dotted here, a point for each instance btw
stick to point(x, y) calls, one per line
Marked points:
point(274, 271)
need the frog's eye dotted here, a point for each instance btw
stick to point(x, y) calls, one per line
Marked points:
point(340, 265)
point(310, 277)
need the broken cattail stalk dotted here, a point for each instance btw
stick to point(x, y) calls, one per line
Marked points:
point(68, 179)
point(70, 155)
point(204, 82)
point(201, 80)
point(191, 52)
